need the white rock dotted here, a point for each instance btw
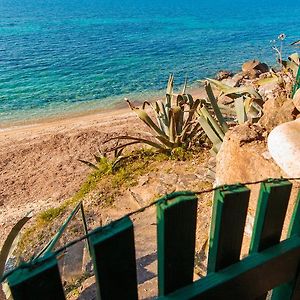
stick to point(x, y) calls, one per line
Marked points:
point(284, 147)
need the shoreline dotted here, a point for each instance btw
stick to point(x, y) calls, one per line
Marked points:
point(115, 107)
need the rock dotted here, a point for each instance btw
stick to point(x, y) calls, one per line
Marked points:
point(296, 100)
point(267, 90)
point(249, 65)
point(238, 78)
point(284, 147)
point(222, 74)
point(277, 111)
point(241, 159)
point(253, 68)
point(262, 67)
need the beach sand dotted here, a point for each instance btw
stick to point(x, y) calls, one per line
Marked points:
point(39, 165)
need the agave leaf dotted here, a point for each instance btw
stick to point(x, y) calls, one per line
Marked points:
point(188, 99)
point(169, 91)
point(121, 147)
point(226, 109)
point(180, 101)
point(235, 92)
point(144, 104)
point(266, 80)
point(184, 135)
point(170, 84)
point(178, 117)
point(219, 85)
point(216, 108)
point(8, 244)
point(191, 114)
point(253, 109)
point(165, 141)
point(215, 149)
point(164, 112)
point(211, 121)
point(119, 159)
point(240, 110)
point(98, 158)
point(211, 134)
point(192, 134)
point(91, 165)
point(241, 90)
point(172, 126)
point(142, 114)
point(139, 140)
point(162, 117)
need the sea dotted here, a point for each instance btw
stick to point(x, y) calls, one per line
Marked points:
point(59, 57)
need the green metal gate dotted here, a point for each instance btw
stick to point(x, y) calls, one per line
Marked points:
point(271, 264)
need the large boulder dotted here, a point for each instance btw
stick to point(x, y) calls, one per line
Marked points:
point(284, 147)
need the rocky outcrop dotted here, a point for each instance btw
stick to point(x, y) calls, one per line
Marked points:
point(277, 111)
point(243, 156)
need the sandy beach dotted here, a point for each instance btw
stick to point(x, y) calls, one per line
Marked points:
point(39, 165)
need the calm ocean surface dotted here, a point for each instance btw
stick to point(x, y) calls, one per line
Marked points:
point(58, 57)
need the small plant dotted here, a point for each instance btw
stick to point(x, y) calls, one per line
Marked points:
point(278, 49)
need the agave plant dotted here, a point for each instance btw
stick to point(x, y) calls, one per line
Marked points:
point(248, 102)
point(172, 122)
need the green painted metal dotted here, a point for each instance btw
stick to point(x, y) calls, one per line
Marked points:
point(271, 264)
point(270, 213)
point(287, 291)
point(39, 280)
point(176, 230)
point(49, 247)
point(85, 227)
point(113, 255)
point(227, 226)
point(249, 278)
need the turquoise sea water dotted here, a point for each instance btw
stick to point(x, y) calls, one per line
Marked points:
point(57, 57)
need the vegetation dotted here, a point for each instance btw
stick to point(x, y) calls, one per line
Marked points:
point(102, 187)
point(175, 124)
